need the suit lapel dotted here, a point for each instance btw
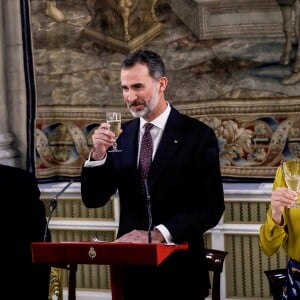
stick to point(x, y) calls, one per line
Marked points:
point(168, 146)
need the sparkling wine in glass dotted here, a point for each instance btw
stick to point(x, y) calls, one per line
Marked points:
point(291, 173)
point(114, 119)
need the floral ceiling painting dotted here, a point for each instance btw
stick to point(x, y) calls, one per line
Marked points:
point(239, 75)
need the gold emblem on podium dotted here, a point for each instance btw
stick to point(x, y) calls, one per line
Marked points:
point(92, 253)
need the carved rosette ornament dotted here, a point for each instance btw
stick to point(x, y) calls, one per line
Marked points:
point(123, 25)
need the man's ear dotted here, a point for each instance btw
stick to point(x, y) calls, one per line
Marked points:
point(163, 82)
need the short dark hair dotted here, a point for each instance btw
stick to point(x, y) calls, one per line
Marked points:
point(153, 61)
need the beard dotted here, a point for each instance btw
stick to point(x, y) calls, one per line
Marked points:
point(148, 107)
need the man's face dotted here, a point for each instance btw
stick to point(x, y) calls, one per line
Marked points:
point(140, 90)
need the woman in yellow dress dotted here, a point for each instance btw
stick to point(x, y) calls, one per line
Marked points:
point(282, 229)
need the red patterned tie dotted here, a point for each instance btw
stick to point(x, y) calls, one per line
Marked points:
point(146, 152)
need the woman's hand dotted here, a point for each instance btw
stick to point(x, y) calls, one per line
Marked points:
point(281, 198)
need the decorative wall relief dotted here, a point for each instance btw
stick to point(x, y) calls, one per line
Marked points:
point(290, 10)
point(233, 82)
point(63, 139)
point(253, 139)
point(123, 25)
point(230, 18)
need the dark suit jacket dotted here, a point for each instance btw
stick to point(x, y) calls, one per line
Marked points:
point(186, 196)
point(22, 221)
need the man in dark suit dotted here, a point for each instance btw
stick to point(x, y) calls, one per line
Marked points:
point(22, 221)
point(184, 183)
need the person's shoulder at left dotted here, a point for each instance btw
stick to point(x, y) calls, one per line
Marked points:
point(21, 188)
point(11, 169)
point(7, 171)
point(15, 179)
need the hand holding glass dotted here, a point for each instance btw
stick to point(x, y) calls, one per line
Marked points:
point(291, 173)
point(114, 119)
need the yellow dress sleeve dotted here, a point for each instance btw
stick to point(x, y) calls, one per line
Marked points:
point(271, 235)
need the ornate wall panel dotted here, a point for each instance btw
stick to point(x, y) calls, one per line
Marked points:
point(254, 135)
point(229, 18)
point(246, 265)
point(234, 83)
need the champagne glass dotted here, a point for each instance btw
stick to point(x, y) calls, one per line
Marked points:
point(291, 174)
point(114, 119)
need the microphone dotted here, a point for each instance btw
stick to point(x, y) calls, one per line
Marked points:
point(148, 211)
point(52, 207)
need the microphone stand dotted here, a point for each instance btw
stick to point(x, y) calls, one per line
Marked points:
point(148, 211)
point(52, 207)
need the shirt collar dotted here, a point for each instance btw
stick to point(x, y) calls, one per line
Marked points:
point(160, 121)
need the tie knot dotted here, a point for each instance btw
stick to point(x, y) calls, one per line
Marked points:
point(148, 126)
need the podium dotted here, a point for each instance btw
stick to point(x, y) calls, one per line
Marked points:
point(70, 254)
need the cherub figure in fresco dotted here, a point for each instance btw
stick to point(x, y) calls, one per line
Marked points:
point(54, 12)
point(288, 8)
